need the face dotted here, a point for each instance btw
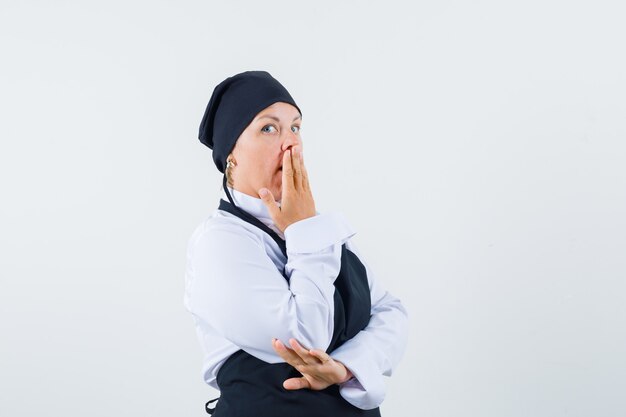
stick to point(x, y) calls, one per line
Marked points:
point(259, 149)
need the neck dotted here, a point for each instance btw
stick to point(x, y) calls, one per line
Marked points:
point(249, 192)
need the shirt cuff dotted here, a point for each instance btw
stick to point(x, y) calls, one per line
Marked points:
point(366, 390)
point(316, 233)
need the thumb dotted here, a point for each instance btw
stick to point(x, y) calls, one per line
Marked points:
point(268, 199)
point(296, 383)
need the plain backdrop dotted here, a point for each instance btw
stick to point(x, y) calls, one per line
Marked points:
point(478, 148)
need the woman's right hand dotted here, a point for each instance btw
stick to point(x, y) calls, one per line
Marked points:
point(297, 201)
point(319, 370)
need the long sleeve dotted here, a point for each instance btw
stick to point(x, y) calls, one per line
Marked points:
point(237, 289)
point(377, 349)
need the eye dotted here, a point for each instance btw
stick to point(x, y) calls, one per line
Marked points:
point(298, 127)
point(267, 126)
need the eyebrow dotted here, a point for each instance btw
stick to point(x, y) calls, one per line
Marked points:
point(276, 118)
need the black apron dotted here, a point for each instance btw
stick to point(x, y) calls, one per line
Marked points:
point(252, 387)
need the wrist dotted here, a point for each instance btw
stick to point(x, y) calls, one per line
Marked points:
point(349, 375)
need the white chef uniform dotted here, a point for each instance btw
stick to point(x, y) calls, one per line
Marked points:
point(231, 265)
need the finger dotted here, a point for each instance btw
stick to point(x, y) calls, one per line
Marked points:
point(268, 200)
point(287, 173)
point(303, 353)
point(291, 357)
point(297, 167)
point(305, 174)
point(322, 356)
point(296, 383)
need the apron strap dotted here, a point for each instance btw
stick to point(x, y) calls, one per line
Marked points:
point(232, 209)
point(207, 408)
point(244, 215)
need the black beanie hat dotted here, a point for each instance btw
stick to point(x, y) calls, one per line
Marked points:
point(233, 105)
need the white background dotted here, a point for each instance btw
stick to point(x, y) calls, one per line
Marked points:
point(477, 147)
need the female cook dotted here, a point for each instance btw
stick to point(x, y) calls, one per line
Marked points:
point(290, 319)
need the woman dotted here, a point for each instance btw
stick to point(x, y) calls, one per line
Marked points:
point(290, 319)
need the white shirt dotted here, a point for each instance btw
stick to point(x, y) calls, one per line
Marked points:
point(239, 299)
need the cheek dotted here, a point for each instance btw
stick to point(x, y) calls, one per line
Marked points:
point(269, 167)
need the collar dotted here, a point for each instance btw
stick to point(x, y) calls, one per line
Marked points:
point(252, 205)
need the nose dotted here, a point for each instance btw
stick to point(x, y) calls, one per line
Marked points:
point(290, 140)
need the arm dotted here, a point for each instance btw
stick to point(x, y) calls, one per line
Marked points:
point(377, 349)
point(237, 289)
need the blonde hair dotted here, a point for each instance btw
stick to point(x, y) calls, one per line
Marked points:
point(229, 173)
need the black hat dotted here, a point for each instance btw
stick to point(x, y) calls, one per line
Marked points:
point(233, 105)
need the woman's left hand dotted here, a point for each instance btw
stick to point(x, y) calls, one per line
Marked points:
point(318, 369)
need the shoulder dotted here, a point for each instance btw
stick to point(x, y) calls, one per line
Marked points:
point(223, 231)
point(222, 249)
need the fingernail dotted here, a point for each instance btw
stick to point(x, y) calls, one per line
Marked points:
point(263, 192)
